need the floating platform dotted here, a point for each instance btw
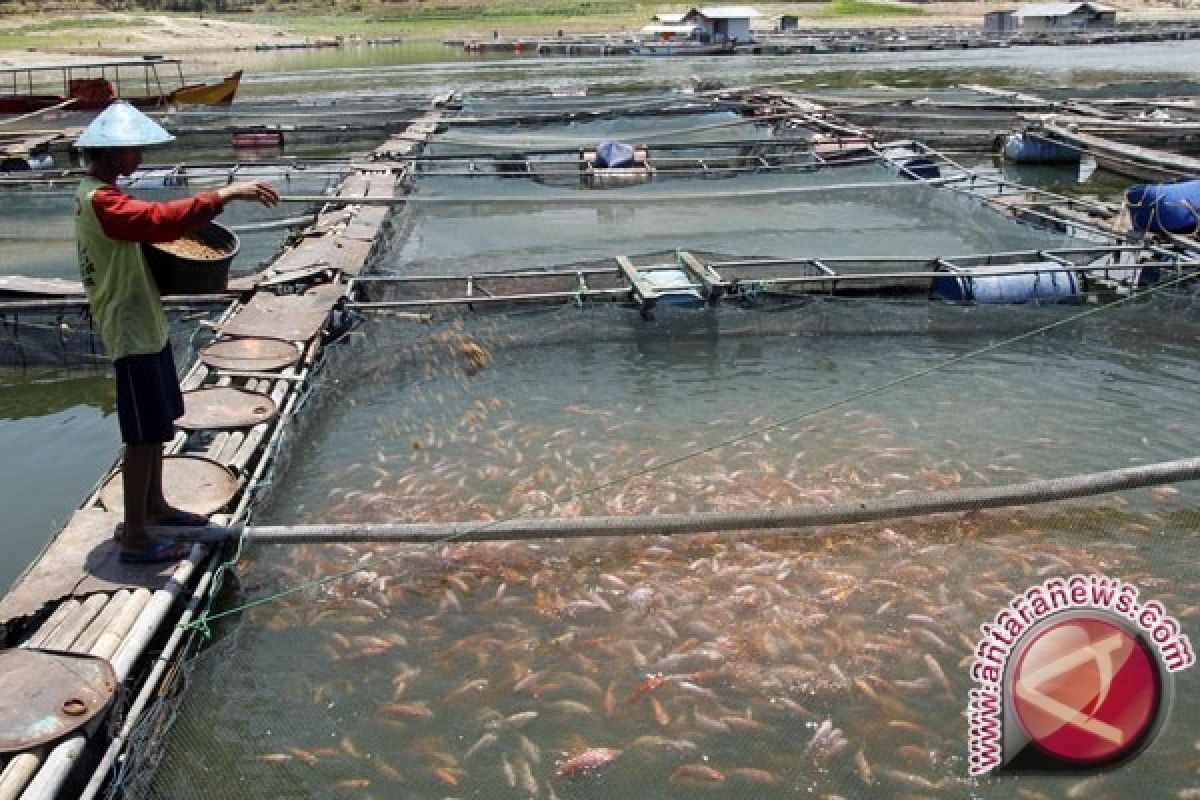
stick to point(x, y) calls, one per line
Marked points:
point(690, 281)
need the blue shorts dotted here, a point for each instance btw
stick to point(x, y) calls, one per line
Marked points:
point(148, 397)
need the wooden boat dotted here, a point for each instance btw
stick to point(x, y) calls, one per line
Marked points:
point(1130, 160)
point(150, 82)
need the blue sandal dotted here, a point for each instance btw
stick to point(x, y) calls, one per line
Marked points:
point(158, 553)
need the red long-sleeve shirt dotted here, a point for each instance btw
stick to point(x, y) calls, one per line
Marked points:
point(132, 220)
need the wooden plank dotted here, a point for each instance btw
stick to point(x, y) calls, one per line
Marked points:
point(81, 560)
point(363, 232)
point(25, 145)
point(336, 251)
point(702, 271)
point(1098, 146)
point(21, 286)
point(381, 185)
point(289, 317)
point(630, 272)
point(353, 186)
point(371, 215)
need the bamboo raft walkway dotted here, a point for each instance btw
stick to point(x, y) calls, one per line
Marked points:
point(77, 597)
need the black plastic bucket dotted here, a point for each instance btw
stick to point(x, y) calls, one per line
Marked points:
point(177, 274)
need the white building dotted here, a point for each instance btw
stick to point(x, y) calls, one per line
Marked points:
point(1051, 17)
point(722, 24)
point(670, 27)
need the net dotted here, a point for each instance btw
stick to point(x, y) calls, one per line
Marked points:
point(825, 661)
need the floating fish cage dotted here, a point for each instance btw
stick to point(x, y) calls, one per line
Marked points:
point(685, 280)
point(785, 339)
point(688, 661)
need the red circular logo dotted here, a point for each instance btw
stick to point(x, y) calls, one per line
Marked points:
point(1085, 690)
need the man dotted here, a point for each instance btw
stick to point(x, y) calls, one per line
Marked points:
point(125, 303)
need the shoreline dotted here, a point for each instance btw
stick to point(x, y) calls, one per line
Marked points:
point(184, 36)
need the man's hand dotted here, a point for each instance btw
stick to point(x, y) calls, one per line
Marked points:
point(261, 191)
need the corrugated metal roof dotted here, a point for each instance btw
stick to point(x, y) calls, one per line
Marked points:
point(1058, 9)
point(728, 12)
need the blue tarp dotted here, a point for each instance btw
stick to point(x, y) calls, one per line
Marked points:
point(1165, 207)
point(614, 154)
point(1025, 149)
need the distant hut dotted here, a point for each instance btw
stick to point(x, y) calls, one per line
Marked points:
point(670, 27)
point(723, 24)
point(1053, 17)
point(1000, 22)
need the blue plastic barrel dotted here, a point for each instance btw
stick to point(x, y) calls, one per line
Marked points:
point(912, 163)
point(992, 286)
point(920, 168)
point(675, 288)
point(614, 154)
point(1022, 148)
point(1165, 207)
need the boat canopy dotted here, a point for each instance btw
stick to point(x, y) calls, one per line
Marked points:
point(116, 70)
point(107, 63)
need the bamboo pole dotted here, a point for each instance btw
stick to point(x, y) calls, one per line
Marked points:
point(65, 609)
point(1031, 492)
point(110, 612)
point(66, 634)
point(20, 772)
point(107, 642)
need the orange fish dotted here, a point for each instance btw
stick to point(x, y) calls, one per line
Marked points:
point(696, 774)
point(587, 761)
point(651, 683)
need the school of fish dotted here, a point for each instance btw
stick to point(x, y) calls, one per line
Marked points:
point(826, 663)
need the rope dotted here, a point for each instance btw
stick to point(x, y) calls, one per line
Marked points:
point(935, 502)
